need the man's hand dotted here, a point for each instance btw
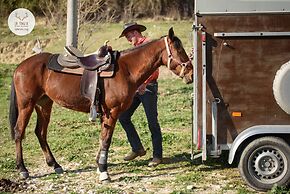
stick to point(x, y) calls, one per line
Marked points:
point(141, 89)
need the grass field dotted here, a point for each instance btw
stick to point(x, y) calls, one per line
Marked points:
point(100, 33)
point(74, 140)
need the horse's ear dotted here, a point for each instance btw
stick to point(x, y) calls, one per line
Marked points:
point(171, 33)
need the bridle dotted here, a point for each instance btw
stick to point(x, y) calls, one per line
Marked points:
point(170, 59)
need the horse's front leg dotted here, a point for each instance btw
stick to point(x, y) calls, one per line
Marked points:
point(108, 125)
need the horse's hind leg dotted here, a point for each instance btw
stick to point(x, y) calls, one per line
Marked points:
point(43, 118)
point(22, 121)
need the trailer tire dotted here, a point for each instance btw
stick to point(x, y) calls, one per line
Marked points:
point(265, 162)
point(281, 89)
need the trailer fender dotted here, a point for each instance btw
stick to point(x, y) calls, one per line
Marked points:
point(255, 130)
point(281, 87)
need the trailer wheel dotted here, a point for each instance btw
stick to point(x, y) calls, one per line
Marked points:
point(265, 162)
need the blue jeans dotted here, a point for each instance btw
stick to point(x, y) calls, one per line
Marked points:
point(149, 102)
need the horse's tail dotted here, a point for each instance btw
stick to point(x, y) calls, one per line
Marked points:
point(13, 110)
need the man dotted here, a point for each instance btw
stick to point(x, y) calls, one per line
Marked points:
point(147, 95)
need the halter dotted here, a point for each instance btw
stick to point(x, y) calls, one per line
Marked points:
point(170, 58)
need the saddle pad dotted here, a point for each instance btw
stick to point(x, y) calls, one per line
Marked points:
point(55, 66)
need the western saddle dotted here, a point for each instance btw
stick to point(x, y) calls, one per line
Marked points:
point(74, 58)
point(92, 66)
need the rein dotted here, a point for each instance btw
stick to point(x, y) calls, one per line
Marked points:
point(170, 58)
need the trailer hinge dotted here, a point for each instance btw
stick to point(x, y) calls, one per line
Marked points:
point(197, 27)
point(215, 153)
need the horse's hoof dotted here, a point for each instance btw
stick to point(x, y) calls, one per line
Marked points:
point(24, 175)
point(104, 177)
point(58, 170)
point(105, 181)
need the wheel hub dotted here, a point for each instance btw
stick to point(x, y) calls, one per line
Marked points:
point(268, 164)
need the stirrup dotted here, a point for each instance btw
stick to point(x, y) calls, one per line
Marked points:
point(94, 114)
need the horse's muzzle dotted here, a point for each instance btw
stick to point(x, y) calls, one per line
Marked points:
point(188, 78)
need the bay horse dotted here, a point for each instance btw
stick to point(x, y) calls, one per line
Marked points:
point(34, 86)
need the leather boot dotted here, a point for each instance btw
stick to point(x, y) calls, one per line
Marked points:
point(132, 155)
point(154, 162)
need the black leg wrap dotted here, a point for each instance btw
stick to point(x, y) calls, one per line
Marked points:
point(103, 166)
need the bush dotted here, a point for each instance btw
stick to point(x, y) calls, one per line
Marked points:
point(106, 10)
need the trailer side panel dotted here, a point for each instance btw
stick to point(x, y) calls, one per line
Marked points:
point(241, 70)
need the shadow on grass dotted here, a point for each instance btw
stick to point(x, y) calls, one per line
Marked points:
point(217, 163)
point(136, 178)
point(177, 161)
point(179, 158)
point(74, 171)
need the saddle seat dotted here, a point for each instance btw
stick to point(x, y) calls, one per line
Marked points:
point(74, 58)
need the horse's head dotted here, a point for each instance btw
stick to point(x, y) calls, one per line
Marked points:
point(176, 58)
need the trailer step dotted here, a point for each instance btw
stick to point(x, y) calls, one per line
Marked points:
point(196, 156)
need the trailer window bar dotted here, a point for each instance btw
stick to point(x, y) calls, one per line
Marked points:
point(194, 133)
point(204, 62)
point(251, 34)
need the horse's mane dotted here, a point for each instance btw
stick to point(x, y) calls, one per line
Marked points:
point(139, 46)
point(176, 42)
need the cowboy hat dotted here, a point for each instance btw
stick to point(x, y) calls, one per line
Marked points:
point(132, 26)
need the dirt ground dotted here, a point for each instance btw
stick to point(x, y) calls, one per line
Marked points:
point(164, 179)
point(7, 185)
